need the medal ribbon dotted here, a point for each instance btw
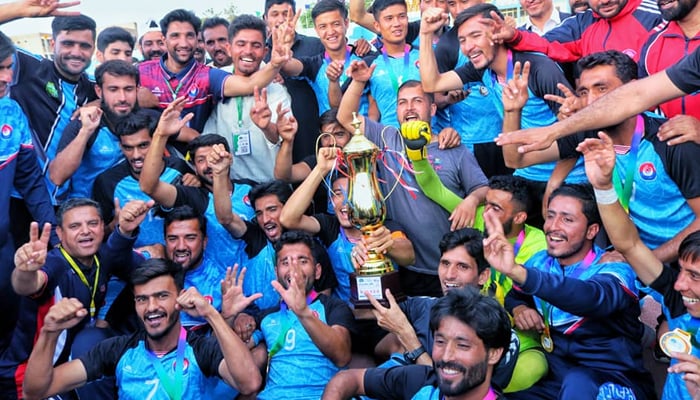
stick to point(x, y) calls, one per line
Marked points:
point(509, 70)
point(392, 74)
point(279, 342)
point(79, 272)
point(516, 249)
point(578, 270)
point(624, 190)
point(327, 59)
point(173, 387)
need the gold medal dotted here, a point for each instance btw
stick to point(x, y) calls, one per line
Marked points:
point(546, 340)
point(677, 341)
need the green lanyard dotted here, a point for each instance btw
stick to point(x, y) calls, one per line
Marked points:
point(390, 69)
point(239, 108)
point(624, 190)
point(279, 342)
point(173, 387)
point(79, 272)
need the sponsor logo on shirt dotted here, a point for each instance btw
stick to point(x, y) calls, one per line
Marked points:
point(51, 90)
point(647, 171)
point(193, 92)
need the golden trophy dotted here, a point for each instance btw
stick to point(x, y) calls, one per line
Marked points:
point(367, 212)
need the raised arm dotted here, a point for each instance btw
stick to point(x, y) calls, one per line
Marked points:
point(360, 16)
point(41, 378)
point(69, 158)
point(345, 384)
point(624, 102)
point(599, 156)
point(360, 73)
point(35, 8)
point(292, 216)
point(432, 80)
point(220, 161)
point(27, 279)
point(169, 124)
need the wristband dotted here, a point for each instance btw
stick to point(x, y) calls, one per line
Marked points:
point(412, 356)
point(605, 196)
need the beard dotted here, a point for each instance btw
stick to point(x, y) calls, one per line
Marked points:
point(172, 319)
point(113, 119)
point(473, 377)
point(679, 12)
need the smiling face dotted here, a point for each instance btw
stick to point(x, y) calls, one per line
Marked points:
point(152, 45)
point(460, 358)
point(267, 212)
point(537, 8)
point(392, 24)
point(278, 14)
point(475, 42)
point(185, 243)
point(688, 285)
point(340, 206)
point(180, 42)
point(217, 45)
point(134, 147)
point(676, 10)
point(458, 269)
point(72, 51)
point(81, 233)
point(413, 104)
point(155, 303)
point(331, 28)
point(247, 50)
point(569, 237)
point(201, 165)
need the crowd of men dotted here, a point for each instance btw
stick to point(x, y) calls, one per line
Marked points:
point(182, 226)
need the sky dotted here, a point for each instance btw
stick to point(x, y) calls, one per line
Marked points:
point(110, 12)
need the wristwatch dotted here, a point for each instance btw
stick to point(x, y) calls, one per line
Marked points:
point(412, 356)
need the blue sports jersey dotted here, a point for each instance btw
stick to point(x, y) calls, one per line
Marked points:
point(207, 279)
point(103, 154)
point(384, 88)
point(299, 353)
point(260, 263)
point(225, 250)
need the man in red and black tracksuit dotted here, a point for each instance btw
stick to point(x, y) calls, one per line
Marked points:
point(621, 26)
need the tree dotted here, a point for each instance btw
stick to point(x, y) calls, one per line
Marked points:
point(229, 12)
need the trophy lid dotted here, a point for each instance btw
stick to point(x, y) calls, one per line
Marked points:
point(359, 142)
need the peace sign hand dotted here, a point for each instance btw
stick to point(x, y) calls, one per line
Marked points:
point(32, 255)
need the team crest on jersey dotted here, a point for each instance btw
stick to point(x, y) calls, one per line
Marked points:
point(193, 92)
point(246, 200)
point(185, 365)
point(5, 131)
point(630, 52)
point(157, 91)
point(647, 171)
point(417, 64)
point(483, 90)
point(51, 90)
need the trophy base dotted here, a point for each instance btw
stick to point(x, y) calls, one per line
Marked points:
point(375, 285)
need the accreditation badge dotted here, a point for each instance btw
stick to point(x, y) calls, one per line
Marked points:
point(241, 143)
point(675, 341)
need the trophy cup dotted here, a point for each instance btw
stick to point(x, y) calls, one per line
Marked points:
point(367, 211)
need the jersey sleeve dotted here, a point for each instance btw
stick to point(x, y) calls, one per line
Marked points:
point(545, 75)
point(338, 313)
point(567, 145)
point(673, 299)
point(195, 197)
point(207, 352)
point(70, 132)
point(446, 54)
point(397, 383)
point(312, 65)
point(685, 74)
point(254, 238)
point(330, 228)
point(467, 73)
point(102, 359)
point(217, 79)
point(683, 166)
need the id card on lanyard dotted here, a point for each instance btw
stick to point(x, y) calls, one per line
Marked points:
point(240, 137)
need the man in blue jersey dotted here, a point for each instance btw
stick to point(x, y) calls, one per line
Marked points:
point(307, 332)
point(19, 168)
point(163, 361)
point(201, 199)
point(658, 173)
point(680, 289)
point(584, 306)
point(471, 333)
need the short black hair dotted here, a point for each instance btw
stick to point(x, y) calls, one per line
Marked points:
point(295, 237)
point(114, 34)
point(180, 15)
point(213, 22)
point(380, 5)
point(583, 193)
point(155, 268)
point(411, 83)
point(116, 68)
point(7, 48)
point(473, 242)
point(689, 249)
point(185, 213)
point(206, 140)
point(136, 121)
point(75, 203)
point(73, 23)
point(518, 187)
point(329, 116)
point(270, 3)
point(483, 314)
point(247, 21)
point(325, 6)
point(276, 187)
point(480, 10)
point(625, 67)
